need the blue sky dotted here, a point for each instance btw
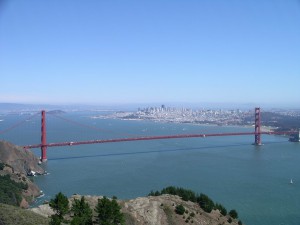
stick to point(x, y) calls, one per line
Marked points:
point(159, 51)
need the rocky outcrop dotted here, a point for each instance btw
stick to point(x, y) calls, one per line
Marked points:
point(160, 210)
point(17, 163)
point(21, 160)
point(155, 210)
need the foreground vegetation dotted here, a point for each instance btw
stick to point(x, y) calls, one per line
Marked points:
point(89, 210)
point(10, 191)
point(108, 212)
point(12, 215)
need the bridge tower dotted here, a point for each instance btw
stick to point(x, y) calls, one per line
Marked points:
point(257, 127)
point(295, 137)
point(43, 137)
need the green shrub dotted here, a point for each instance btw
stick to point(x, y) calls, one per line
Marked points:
point(185, 194)
point(206, 203)
point(203, 200)
point(10, 191)
point(2, 165)
point(156, 193)
point(233, 213)
point(180, 209)
point(221, 208)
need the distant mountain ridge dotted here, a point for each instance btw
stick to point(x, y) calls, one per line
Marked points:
point(9, 107)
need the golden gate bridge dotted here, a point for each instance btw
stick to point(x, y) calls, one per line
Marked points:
point(44, 145)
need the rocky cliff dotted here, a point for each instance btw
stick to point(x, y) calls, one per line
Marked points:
point(21, 160)
point(17, 162)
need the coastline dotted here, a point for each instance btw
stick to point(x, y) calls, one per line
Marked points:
point(197, 123)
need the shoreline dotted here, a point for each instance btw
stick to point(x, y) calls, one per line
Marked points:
point(263, 128)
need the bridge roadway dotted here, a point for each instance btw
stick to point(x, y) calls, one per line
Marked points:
point(148, 138)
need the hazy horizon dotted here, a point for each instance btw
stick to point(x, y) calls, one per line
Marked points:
point(135, 106)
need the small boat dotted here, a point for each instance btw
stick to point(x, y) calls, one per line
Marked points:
point(291, 182)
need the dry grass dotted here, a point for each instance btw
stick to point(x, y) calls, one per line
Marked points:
point(11, 215)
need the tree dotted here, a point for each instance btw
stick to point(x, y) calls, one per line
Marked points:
point(83, 214)
point(60, 204)
point(233, 213)
point(109, 212)
point(221, 208)
point(11, 191)
point(206, 203)
point(55, 220)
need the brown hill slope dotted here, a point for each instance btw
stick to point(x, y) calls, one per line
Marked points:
point(21, 160)
point(155, 210)
point(16, 162)
point(11, 215)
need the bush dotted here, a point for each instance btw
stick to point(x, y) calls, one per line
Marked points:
point(206, 203)
point(185, 194)
point(233, 213)
point(2, 165)
point(221, 208)
point(229, 220)
point(180, 209)
point(203, 200)
point(240, 222)
point(156, 193)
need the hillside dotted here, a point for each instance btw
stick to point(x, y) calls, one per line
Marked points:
point(155, 210)
point(11, 215)
point(21, 160)
point(15, 163)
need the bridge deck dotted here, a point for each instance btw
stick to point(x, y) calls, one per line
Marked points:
point(148, 138)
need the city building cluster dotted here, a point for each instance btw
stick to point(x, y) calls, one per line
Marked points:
point(187, 115)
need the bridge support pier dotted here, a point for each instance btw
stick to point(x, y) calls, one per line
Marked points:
point(257, 134)
point(43, 138)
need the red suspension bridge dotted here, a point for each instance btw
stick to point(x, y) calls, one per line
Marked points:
point(256, 133)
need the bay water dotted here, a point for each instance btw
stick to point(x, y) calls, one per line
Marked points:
point(254, 180)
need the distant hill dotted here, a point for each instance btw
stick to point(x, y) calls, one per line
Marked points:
point(275, 119)
point(14, 107)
